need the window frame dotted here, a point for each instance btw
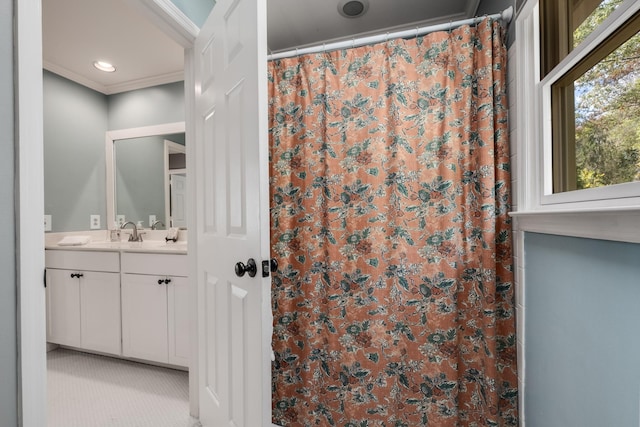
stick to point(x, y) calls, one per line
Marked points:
point(603, 212)
point(600, 36)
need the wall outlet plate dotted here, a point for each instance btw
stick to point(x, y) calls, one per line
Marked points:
point(94, 223)
point(120, 220)
point(152, 219)
point(47, 223)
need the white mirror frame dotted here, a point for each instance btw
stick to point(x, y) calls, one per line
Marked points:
point(115, 135)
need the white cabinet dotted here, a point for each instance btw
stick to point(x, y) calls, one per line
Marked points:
point(100, 312)
point(83, 300)
point(63, 308)
point(155, 318)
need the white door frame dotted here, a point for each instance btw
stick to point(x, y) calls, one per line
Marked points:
point(29, 187)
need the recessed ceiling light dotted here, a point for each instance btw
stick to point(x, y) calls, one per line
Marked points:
point(104, 66)
point(353, 8)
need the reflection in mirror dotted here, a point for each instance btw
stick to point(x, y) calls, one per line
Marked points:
point(139, 164)
point(178, 196)
point(175, 184)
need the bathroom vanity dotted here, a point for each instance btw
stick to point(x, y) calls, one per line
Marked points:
point(127, 299)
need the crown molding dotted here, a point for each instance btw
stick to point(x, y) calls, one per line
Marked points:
point(75, 77)
point(143, 83)
point(117, 87)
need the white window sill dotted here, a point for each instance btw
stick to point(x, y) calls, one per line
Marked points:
point(619, 224)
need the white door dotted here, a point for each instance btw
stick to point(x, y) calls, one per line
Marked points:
point(231, 181)
point(178, 200)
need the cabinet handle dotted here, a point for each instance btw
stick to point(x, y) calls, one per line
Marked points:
point(77, 275)
point(167, 281)
point(160, 281)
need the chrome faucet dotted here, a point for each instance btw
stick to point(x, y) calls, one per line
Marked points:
point(134, 237)
point(155, 223)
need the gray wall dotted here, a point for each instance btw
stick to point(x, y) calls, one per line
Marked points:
point(8, 350)
point(196, 10)
point(75, 122)
point(146, 107)
point(582, 341)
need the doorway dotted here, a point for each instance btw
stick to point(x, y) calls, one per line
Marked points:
point(31, 306)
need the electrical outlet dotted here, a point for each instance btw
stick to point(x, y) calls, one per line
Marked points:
point(120, 220)
point(94, 223)
point(152, 219)
point(47, 223)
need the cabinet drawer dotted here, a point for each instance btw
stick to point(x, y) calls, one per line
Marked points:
point(81, 260)
point(155, 264)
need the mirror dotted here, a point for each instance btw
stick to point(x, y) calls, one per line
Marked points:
point(146, 175)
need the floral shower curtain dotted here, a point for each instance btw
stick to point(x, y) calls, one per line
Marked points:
point(393, 304)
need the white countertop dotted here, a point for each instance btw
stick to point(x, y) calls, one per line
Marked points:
point(155, 243)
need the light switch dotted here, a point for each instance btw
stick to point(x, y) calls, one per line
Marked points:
point(152, 219)
point(94, 222)
point(120, 220)
point(47, 223)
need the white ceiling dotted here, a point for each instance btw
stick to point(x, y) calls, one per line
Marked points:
point(78, 32)
point(296, 23)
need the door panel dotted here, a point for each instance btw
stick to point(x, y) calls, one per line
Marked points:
point(232, 204)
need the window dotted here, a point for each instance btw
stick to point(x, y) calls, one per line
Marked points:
point(595, 104)
point(566, 23)
point(577, 116)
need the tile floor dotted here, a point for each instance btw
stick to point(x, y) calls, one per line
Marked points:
point(86, 390)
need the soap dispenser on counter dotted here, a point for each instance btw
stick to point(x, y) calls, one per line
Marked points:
point(114, 233)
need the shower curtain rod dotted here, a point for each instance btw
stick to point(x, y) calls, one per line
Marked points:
point(505, 16)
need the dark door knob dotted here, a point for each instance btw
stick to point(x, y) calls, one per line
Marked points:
point(251, 268)
point(273, 264)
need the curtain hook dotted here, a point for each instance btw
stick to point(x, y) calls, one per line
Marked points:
point(386, 37)
point(297, 54)
point(324, 47)
point(353, 43)
point(417, 32)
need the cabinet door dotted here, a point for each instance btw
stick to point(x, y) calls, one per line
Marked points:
point(63, 308)
point(144, 317)
point(100, 311)
point(179, 321)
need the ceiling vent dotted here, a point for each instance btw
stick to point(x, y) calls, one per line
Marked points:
point(353, 8)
